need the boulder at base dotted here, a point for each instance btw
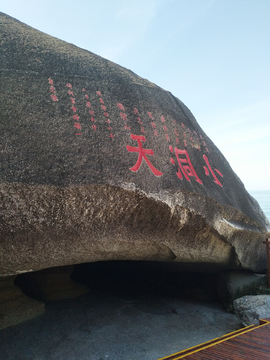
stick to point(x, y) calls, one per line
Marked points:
point(100, 164)
point(250, 309)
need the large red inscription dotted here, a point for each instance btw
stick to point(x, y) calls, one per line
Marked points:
point(142, 155)
point(180, 134)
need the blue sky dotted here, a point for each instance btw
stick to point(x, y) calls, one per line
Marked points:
point(214, 55)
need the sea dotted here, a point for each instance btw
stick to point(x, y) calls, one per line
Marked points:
point(263, 198)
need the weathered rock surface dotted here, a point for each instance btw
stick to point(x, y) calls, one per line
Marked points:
point(251, 308)
point(100, 164)
point(231, 283)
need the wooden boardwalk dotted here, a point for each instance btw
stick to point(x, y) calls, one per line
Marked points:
point(249, 343)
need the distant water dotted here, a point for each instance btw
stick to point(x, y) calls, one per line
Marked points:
point(263, 198)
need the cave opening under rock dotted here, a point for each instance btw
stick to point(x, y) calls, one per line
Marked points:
point(127, 310)
point(139, 278)
point(126, 278)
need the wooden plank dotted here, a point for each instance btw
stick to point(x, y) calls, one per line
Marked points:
point(249, 346)
point(250, 343)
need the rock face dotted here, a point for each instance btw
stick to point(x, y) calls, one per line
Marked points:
point(231, 284)
point(51, 284)
point(100, 164)
point(250, 309)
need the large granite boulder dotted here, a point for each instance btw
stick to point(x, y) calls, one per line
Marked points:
point(100, 164)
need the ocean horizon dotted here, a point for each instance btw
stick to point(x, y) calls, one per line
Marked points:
point(263, 198)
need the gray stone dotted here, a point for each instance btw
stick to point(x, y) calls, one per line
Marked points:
point(250, 309)
point(76, 185)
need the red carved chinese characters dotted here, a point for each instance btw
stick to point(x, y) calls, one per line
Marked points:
point(52, 90)
point(190, 137)
point(204, 144)
point(139, 120)
point(153, 124)
point(75, 117)
point(89, 109)
point(206, 169)
point(185, 166)
point(175, 131)
point(187, 170)
point(165, 128)
point(105, 113)
point(54, 98)
point(77, 126)
point(123, 115)
point(120, 106)
point(142, 154)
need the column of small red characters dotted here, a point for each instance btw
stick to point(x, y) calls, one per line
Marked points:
point(103, 107)
point(139, 120)
point(90, 110)
point(204, 144)
point(153, 124)
point(175, 131)
point(75, 116)
point(184, 133)
point(165, 128)
point(123, 115)
point(189, 132)
point(52, 90)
